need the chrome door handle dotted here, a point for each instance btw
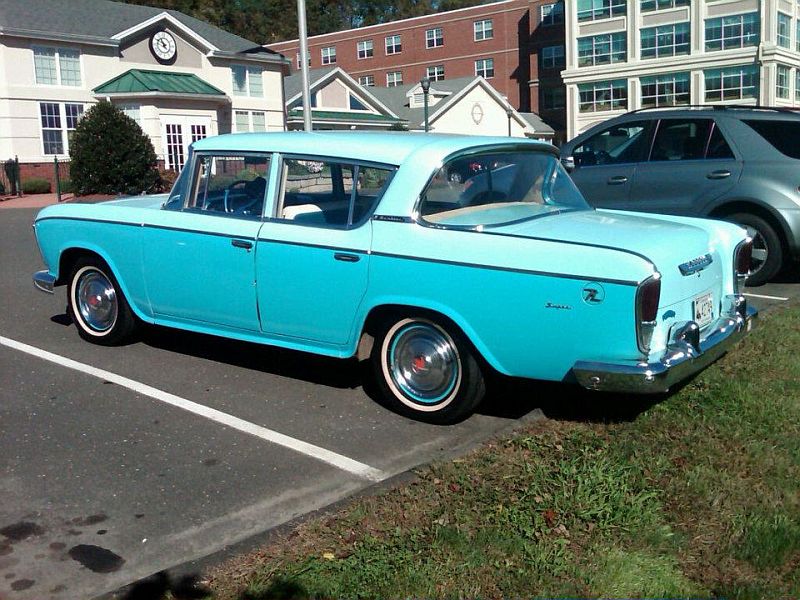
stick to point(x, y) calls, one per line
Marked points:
point(242, 244)
point(617, 180)
point(721, 174)
point(344, 257)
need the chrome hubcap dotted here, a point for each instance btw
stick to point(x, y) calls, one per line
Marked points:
point(423, 363)
point(760, 250)
point(97, 301)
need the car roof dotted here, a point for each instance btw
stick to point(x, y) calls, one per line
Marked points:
point(392, 148)
point(732, 111)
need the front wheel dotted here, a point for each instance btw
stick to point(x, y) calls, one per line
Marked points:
point(424, 371)
point(767, 250)
point(97, 305)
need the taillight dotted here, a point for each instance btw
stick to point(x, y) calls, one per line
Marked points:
point(742, 263)
point(647, 298)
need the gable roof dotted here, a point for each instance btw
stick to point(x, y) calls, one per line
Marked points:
point(101, 21)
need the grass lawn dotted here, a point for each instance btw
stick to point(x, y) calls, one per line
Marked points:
point(696, 495)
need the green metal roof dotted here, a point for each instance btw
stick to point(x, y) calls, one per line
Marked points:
point(139, 81)
point(332, 115)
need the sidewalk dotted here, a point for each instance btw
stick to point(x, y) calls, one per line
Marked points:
point(42, 200)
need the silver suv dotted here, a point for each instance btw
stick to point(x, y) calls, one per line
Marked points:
point(739, 164)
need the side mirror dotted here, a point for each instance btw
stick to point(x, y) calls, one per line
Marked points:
point(569, 163)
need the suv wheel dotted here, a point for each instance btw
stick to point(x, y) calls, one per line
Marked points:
point(767, 249)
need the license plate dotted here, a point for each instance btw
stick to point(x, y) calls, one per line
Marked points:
point(703, 309)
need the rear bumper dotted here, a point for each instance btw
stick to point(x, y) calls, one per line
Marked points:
point(44, 281)
point(686, 354)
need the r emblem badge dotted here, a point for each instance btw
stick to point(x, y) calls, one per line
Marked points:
point(593, 293)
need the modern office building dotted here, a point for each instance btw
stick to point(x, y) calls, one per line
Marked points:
point(516, 45)
point(625, 55)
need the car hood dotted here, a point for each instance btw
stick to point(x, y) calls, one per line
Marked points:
point(150, 201)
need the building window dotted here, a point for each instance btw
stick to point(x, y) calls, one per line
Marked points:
point(782, 82)
point(394, 79)
point(733, 83)
point(133, 111)
point(797, 85)
point(394, 44)
point(247, 81)
point(250, 120)
point(58, 121)
point(666, 40)
point(484, 67)
point(602, 49)
point(551, 14)
point(57, 66)
point(737, 31)
point(434, 38)
point(329, 55)
point(356, 104)
point(483, 30)
point(365, 49)
point(592, 10)
point(784, 30)
point(665, 90)
point(797, 36)
point(435, 73)
point(662, 4)
point(367, 80)
point(297, 60)
point(603, 95)
point(552, 57)
point(553, 98)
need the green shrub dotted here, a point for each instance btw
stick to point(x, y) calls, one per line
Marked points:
point(35, 185)
point(110, 154)
point(66, 186)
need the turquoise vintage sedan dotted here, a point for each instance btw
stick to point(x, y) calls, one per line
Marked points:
point(362, 244)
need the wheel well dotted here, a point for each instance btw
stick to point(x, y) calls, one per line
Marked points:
point(69, 259)
point(754, 209)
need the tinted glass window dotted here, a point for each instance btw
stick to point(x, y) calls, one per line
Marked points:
point(681, 139)
point(324, 193)
point(624, 143)
point(718, 147)
point(483, 190)
point(230, 185)
point(783, 135)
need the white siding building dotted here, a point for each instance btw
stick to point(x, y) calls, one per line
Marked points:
point(625, 55)
point(179, 78)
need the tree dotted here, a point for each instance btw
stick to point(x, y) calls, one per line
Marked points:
point(111, 154)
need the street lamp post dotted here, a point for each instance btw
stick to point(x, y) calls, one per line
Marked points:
point(509, 112)
point(426, 86)
point(301, 26)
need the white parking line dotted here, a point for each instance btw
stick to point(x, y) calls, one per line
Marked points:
point(332, 458)
point(765, 297)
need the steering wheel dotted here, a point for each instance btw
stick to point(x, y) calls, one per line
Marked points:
point(228, 206)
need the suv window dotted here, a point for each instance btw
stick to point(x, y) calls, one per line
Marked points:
point(330, 194)
point(782, 135)
point(718, 147)
point(625, 143)
point(681, 139)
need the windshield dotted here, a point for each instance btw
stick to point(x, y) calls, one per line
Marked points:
point(498, 188)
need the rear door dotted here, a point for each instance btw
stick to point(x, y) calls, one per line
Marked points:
point(606, 163)
point(690, 164)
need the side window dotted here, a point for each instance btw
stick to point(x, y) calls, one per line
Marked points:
point(625, 143)
point(229, 185)
point(717, 146)
point(681, 139)
point(330, 194)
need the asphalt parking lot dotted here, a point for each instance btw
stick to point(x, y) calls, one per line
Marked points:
point(116, 463)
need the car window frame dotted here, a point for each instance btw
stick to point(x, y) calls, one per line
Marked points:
point(190, 182)
point(650, 128)
point(277, 204)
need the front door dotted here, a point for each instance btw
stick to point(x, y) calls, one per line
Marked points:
point(177, 133)
point(199, 260)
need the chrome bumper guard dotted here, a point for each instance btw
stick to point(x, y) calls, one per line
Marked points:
point(44, 281)
point(686, 354)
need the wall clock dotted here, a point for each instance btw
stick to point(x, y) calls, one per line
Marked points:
point(163, 47)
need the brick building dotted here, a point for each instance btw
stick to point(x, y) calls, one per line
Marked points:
point(517, 45)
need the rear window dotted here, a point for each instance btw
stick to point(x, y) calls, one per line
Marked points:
point(783, 135)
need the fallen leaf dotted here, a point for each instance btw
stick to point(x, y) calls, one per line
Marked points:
point(329, 556)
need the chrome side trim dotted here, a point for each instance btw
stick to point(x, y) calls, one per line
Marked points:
point(686, 354)
point(44, 281)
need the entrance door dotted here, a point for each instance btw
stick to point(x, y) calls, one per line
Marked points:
point(178, 132)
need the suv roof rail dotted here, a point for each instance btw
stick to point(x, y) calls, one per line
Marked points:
point(717, 107)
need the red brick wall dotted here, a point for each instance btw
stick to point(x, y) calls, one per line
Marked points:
point(517, 36)
point(42, 170)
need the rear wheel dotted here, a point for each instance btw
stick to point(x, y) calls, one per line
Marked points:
point(426, 371)
point(97, 305)
point(767, 248)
